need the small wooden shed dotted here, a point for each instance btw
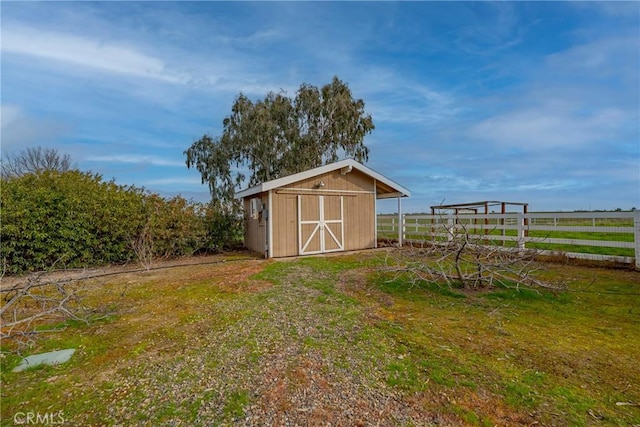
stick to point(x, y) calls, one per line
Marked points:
point(327, 209)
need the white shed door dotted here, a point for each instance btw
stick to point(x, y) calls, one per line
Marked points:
point(320, 224)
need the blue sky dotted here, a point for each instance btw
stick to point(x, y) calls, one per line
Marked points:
point(533, 102)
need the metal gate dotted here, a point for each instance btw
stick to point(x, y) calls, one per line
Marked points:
point(320, 224)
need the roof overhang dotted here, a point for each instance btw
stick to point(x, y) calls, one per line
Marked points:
point(385, 187)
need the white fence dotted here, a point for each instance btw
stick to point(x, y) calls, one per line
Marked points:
point(612, 236)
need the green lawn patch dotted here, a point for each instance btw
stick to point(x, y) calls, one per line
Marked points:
point(335, 339)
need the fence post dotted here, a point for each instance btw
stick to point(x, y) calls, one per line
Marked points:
point(636, 237)
point(400, 223)
point(503, 211)
point(521, 231)
point(433, 220)
point(450, 226)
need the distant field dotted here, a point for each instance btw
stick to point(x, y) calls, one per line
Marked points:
point(420, 229)
point(335, 340)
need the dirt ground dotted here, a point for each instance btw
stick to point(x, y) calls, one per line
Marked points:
point(235, 340)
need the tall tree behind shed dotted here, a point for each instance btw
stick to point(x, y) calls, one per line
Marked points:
point(279, 136)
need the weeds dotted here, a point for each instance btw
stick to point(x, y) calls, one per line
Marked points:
point(332, 340)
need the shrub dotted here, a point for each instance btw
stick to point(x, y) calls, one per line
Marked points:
point(75, 219)
point(224, 225)
point(70, 218)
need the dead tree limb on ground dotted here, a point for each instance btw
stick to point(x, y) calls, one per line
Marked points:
point(465, 260)
point(38, 301)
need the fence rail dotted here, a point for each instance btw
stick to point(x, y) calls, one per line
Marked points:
point(613, 236)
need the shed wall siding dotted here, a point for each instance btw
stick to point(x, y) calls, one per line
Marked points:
point(353, 181)
point(359, 215)
point(255, 229)
point(357, 191)
point(285, 224)
point(359, 222)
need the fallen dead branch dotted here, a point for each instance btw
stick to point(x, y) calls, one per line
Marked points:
point(28, 306)
point(463, 261)
point(52, 297)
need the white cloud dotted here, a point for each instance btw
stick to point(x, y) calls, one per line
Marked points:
point(547, 186)
point(257, 38)
point(9, 114)
point(453, 181)
point(253, 87)
point(617, 9)
point(585, 95)
point(135, 158)
point(603, 57)
point(541, 129)
point(216, 71)
point(86, 52)
point(392, 97)
point(174, 181)
point(488, 36)
point(19, 130)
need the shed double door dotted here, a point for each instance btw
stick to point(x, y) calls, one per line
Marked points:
point(320, 224)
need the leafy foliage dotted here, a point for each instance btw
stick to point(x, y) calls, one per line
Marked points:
point(223, 225)
point(279, 136)
point(70, 216)
point(175, 225)
point(75, 219)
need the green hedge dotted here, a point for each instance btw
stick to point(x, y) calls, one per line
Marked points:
point(75, 219)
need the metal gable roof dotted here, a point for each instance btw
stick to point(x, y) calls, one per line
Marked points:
point(396, 190)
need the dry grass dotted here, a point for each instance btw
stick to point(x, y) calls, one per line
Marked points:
point(321, 341)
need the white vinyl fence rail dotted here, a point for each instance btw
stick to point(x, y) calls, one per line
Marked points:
point(611, 236)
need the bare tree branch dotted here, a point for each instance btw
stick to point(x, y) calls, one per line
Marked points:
point(143, 246)
point(39, 301)
point(463, 261)
point(32, 160)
